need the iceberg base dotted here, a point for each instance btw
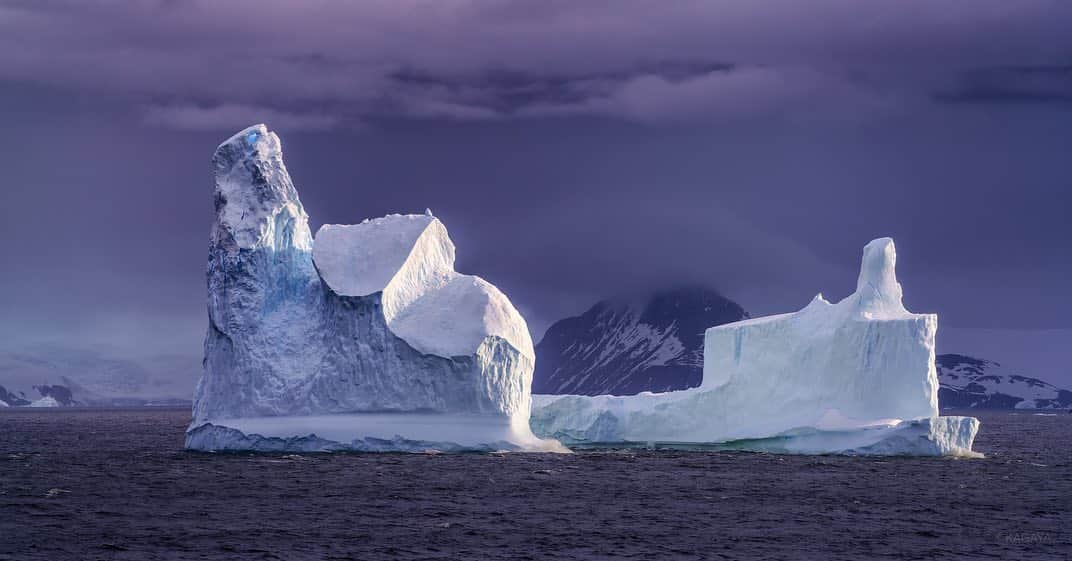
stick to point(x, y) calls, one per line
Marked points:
point(937, 436)
point(366, 432)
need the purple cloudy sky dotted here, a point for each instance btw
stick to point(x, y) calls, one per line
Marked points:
point(575, 150)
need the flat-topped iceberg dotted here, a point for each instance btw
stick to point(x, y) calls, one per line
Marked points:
point(857, 376)
point(361, 338)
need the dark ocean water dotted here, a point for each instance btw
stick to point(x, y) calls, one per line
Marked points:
point(116, 484)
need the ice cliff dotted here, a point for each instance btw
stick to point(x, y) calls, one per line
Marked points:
point(857, 376)
point(362, 338)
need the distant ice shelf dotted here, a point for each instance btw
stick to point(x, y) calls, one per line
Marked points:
point(857, 376)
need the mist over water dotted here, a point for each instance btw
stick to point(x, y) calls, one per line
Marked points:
point(117, 485)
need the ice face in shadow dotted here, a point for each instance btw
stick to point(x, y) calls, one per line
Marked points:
point(365, 333)
point(857, 376)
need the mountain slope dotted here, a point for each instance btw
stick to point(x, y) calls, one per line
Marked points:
point(624, 347)
point(11, 399)
point(972, 382)
point(72, 376)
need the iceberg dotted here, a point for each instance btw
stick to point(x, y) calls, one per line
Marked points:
point(855, 377)
point(363, 337)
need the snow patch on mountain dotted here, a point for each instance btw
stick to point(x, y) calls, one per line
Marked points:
point(47, 401)
point(628, 345)
point(973, 382)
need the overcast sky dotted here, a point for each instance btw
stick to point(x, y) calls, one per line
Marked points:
point(575, 150)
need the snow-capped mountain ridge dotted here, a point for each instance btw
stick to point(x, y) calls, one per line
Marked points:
point(974, 382)
point(92, 378)
point(625, 346)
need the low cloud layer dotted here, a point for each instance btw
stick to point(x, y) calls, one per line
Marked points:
point(233, 116)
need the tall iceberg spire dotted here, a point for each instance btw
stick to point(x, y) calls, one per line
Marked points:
point(256, 202)
point(878, 294)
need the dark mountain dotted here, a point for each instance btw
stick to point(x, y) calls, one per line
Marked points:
point(10, 399)
point(625, 347)
point(973, 382)
point(62, 394)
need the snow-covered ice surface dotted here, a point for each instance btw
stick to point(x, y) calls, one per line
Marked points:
point(410, 259)
point(857, 376)
point(365, 333)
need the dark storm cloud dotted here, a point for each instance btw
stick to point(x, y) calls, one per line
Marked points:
point(574, 149)
point(318, 64)
point(1014, 85)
